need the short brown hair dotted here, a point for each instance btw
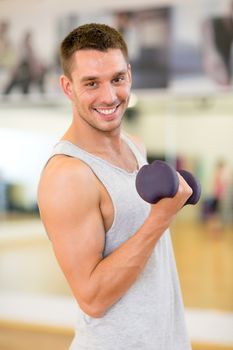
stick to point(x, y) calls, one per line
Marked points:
point(90, 36)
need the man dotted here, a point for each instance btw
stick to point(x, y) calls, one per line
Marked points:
point(113, 247)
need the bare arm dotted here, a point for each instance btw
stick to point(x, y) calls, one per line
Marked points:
point(69, 202)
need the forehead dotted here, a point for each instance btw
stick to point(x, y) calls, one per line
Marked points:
point(96, 63)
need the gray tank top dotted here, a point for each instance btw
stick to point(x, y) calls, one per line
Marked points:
point(150, 316)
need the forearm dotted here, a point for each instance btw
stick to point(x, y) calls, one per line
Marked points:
point(116, 273)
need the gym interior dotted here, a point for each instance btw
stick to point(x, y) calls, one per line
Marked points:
point(181, 106)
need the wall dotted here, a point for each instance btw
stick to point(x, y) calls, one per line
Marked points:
point(42, 16)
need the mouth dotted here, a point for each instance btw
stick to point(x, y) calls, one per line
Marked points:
point(107, 112)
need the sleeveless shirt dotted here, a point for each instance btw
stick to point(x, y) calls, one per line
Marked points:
point(150, 316)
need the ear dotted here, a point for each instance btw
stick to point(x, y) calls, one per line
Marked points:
point(66, 85)
point(129, 74)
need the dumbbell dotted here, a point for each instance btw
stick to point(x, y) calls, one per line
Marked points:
point(160, 180)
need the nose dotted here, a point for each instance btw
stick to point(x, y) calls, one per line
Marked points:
point(109, 96)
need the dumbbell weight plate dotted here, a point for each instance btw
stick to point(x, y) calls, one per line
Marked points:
point(156, 181)
point(194, 184)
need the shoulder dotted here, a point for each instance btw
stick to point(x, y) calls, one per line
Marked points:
point(64, 181)
point(62, 168)
point(139, 143)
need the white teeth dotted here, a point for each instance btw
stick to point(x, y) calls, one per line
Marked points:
point(106, 111)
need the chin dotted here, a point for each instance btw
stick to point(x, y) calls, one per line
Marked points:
point(112, 127)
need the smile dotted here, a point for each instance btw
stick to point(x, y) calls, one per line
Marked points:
point(107, 111)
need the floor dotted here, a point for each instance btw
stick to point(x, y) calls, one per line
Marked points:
point(205, 264)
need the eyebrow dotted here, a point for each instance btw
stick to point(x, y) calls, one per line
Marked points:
point(91, 77)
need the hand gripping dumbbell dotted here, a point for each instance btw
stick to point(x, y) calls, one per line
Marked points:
point(160, 180)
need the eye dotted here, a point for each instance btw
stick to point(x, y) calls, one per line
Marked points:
point(118, 80)
point(91, 84)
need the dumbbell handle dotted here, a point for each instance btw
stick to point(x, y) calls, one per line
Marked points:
point(159, 180)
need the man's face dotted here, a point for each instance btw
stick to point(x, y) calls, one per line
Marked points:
point(100, 87)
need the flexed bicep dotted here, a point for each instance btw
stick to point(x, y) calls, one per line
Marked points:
point(69, 208)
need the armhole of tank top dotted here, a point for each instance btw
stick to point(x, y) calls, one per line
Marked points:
point(52, 156)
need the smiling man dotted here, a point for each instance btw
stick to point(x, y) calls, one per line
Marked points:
point(114, 248)
point(110, 77)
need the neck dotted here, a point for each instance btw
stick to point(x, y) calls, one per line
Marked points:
point(93, 140)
